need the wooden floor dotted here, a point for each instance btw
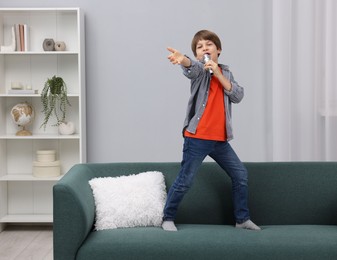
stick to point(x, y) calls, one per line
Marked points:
point(26, 243)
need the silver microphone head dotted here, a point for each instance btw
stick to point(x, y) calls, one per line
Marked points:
point(206, 59)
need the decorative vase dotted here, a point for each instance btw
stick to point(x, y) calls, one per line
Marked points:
point(12, 46)
point(60, 46)
point(67, 128)
point(48, 45)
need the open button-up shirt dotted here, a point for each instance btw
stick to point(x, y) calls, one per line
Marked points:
point(200, 82)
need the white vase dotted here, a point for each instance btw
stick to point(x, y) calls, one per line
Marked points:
point(12, 46)
point(67, 128)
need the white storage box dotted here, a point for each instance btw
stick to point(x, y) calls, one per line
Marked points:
point(46, 155)
point(46, 169)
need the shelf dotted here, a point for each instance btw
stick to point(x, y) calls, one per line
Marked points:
point(39, 137)
point(31, 95)
point(27, 177)
point(39, 53)
point(44, 218)
point(39, 9)
point(25, 198)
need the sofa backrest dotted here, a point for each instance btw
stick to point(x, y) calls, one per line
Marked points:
point(280, 193)
point(293, 193)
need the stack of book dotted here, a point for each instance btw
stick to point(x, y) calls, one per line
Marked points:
point(21, 37)
point(22, 91)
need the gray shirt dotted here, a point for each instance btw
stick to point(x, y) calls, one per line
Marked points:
point(200, 83)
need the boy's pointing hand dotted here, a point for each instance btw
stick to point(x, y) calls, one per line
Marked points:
point(175, 57)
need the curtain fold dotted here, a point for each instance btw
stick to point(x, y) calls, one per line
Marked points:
point(304, 81)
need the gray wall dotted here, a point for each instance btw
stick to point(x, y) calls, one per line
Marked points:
point(136, 99)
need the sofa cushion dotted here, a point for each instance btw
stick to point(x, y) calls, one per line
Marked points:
point(129, 201)
point(291, 242)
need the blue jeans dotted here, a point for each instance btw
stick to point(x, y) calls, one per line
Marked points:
point(194, 152)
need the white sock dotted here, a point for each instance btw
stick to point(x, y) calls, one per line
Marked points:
point(169, 226)
point(248, 225)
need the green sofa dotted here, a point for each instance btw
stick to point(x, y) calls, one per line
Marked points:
point(295, 204)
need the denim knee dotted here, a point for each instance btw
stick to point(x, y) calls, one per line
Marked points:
point(182, 184)
point(241, 178)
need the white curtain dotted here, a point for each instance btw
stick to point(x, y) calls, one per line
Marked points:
point(303, 91)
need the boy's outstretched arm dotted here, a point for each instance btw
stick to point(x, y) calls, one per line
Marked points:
point(177, 58)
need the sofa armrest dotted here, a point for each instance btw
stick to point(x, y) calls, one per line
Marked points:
point(74, 211)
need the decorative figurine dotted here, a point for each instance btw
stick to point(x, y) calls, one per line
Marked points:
point(60, 46)
point(48, 45)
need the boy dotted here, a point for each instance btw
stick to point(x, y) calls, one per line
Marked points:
point(207, 127)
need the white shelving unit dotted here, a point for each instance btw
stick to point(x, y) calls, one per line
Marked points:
point(23, 197)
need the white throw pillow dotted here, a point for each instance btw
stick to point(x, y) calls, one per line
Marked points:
point(129, 201)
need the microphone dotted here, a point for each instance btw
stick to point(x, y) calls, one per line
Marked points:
point(206, 59)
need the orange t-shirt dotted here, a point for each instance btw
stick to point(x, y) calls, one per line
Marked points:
point(212, 125)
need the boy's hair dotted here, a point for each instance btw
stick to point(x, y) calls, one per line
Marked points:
point(205, 35)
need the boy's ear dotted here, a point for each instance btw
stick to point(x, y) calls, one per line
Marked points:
point(219, 52)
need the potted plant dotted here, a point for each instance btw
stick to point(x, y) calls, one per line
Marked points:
point(54, 100)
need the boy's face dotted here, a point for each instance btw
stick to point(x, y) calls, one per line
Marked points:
point(207, 47)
